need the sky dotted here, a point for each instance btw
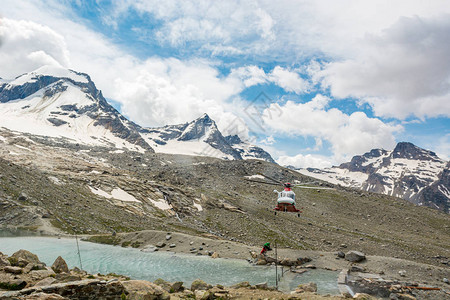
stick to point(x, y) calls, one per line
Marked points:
point(312, 82)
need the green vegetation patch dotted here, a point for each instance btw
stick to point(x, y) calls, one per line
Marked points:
point(104, 239)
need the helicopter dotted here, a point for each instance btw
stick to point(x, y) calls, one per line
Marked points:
point(286, 198)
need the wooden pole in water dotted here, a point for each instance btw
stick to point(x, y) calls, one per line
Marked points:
point(78, 248)
point(276, 266)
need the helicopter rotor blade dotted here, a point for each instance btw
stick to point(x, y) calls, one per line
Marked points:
point(270, 178)
point(314, 187)
point(263, 182)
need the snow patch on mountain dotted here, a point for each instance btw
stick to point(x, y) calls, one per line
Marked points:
point(407, 172)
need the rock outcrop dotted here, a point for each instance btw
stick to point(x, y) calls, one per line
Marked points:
point(60, 265)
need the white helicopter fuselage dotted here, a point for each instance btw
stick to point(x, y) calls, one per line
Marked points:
point(286, 197)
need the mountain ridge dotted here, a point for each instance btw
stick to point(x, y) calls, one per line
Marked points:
point(407, 172)
point(62, 102)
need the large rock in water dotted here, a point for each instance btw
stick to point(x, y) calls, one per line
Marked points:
point(355, 256)
point(27, 256)
point(307, 287)
point(60, 266)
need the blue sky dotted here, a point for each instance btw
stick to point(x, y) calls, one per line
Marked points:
point(338, 78)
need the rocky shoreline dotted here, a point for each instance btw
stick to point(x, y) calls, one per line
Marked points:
point(23, 276)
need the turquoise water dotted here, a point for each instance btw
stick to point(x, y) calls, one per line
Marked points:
point(99, 258)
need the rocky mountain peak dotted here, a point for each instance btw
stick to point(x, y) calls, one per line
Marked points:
point(233, 139)
point(407, 172)
point(198, 128)
point(410, 151)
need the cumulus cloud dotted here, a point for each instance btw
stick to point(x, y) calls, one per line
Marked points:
point(402, 72)
point(283, 29)
point(27, 46)
point(170, 91)
point(347, 134)
point(288, 79)
point(213, 26)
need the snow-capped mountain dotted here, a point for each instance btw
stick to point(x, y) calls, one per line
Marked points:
point(62, 103)
point(201, 137)
point(57, 102)
point(408, 172)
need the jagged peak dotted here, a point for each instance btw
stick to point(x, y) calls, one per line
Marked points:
point(411, 151)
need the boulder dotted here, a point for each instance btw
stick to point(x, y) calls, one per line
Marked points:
point(288, 262)
point(31, 266)
point(242, 284)
point(12, 284)
point(60, 265)
point(22, 197)
point(340, 254)
point(307, 287)
point(13, 270)
point(160, 244)
point(261, 262)
point(176, 287)
point(45, 281)
point(141, 289)
point(203, 295)
point(262, 286)
point(303, 260)
point(355, 256)
point(26, 256)
point(215, 255)
point(45, 296)
point(149, 248)
point(357, 269)
point(37, 275)
point(4, 262)
point(164, 284)
point(199, 285)
point(402, 273)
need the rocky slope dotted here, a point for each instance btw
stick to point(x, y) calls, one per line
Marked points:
point(407, 172)
point(56, 102)
point(53, 184)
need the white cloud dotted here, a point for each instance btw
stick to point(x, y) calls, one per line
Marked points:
point(206, 25)
point(288, 80)
point(402, 72)
point(283, 29)
point(27, 46)
point(305, 161)
point(250, 75)
point(347, 134)
point(442, 147)
point(151, 92)
point(170, 91)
